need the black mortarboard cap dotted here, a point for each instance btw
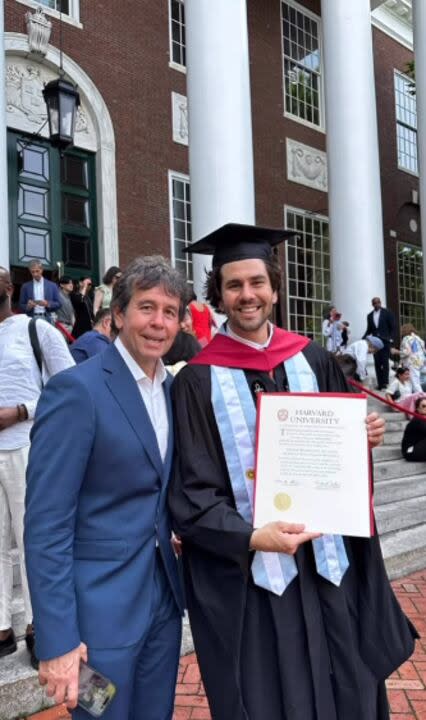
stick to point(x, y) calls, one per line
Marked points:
point(233, 242)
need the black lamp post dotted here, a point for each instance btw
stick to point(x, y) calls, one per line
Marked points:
point(62, 100)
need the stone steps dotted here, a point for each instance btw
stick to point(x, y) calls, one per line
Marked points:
point(399, 500)
point(389, 491)
point(390, 469)
point(404, 551)
point(401, 514)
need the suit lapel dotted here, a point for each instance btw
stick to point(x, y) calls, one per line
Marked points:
point(126, 392)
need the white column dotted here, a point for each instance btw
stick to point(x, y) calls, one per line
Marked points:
point(219, 113)
point(419, 30)
point(355, 204)
point(4, 211)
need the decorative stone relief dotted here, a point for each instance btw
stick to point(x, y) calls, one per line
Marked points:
point(25, 106)
point(180, 118)
point(306, 165)
point(38, 29)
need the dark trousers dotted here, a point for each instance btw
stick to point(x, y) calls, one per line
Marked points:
point(381, 363)
point(144, 673)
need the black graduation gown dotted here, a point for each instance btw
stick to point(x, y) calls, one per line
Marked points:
point(318, 652)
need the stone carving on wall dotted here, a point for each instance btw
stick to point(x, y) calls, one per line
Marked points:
point(306, 165)
point(180, 118)
point(25, 106)
point(38, 29)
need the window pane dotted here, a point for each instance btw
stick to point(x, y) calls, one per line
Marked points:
point(33, 243)
point(302, 65)
point(308, 267)
point(75, 210)
point(76, 251)
point(74, 171)
point(33, 203)
point(33, 162)
point(411, 293)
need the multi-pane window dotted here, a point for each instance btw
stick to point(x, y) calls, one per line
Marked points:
point(302, 63)
point(180, 222)
point(411, 294)
point(308, 272)
point(406, 122)
point(177, 32)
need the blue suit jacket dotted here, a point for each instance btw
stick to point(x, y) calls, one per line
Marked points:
point(51, 294)
point(89, 344)
point(95, 507)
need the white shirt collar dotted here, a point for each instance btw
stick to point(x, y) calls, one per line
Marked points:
point(250, 343)
point(135, 369)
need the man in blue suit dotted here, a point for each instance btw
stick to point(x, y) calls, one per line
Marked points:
point(101, 568)
point(39, 296)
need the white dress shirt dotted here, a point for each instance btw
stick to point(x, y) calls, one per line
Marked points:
point(20, 380)
point(256, 346)
point(152, 394)
point(376, 317)
point(38, 293)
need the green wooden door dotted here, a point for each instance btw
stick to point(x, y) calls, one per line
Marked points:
point(52, 207)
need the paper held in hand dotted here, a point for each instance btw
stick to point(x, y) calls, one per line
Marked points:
point(312, 462)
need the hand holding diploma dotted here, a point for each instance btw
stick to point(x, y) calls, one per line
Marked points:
point(375, 429)
point(280, 537)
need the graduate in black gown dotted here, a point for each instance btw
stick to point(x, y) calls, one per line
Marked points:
point(318, 651)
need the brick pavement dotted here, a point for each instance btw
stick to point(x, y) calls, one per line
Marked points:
point(406, 687)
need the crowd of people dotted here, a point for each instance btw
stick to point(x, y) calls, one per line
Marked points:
point(130, 465)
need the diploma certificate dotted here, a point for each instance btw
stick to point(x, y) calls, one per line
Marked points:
point(312, 462)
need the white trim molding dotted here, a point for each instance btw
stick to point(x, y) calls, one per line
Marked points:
point(72, 19)
point(26, 112)
point(306, 165)
point(395, 18)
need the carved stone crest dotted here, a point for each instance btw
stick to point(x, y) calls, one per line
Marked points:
point(38, 29)
point(306, 165)
point(24, 93)
point(180, 118)
point(25, 102)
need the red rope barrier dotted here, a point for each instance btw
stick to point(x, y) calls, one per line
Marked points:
point(64, 332)
point(383, 400)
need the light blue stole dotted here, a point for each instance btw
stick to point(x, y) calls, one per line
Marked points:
point(235, 415)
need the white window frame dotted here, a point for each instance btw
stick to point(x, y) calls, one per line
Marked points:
point(404, 76)
point(300, 8)
point(403, 300)
point(173, 175)
point(323, 302)
point(73, 18)
point(172, 63)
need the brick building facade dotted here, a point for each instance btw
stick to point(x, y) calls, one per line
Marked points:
point(133, 54)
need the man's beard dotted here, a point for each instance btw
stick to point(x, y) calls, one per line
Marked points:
point(4, 297)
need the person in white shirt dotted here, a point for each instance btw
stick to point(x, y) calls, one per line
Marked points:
point(332, 330)
point(20, 387)
point(39, 296)
point(360, 350)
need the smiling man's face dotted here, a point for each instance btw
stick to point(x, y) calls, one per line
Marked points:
point(247, 298)
point(148, 326)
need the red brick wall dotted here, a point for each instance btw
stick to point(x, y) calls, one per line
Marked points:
point(125, 51)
